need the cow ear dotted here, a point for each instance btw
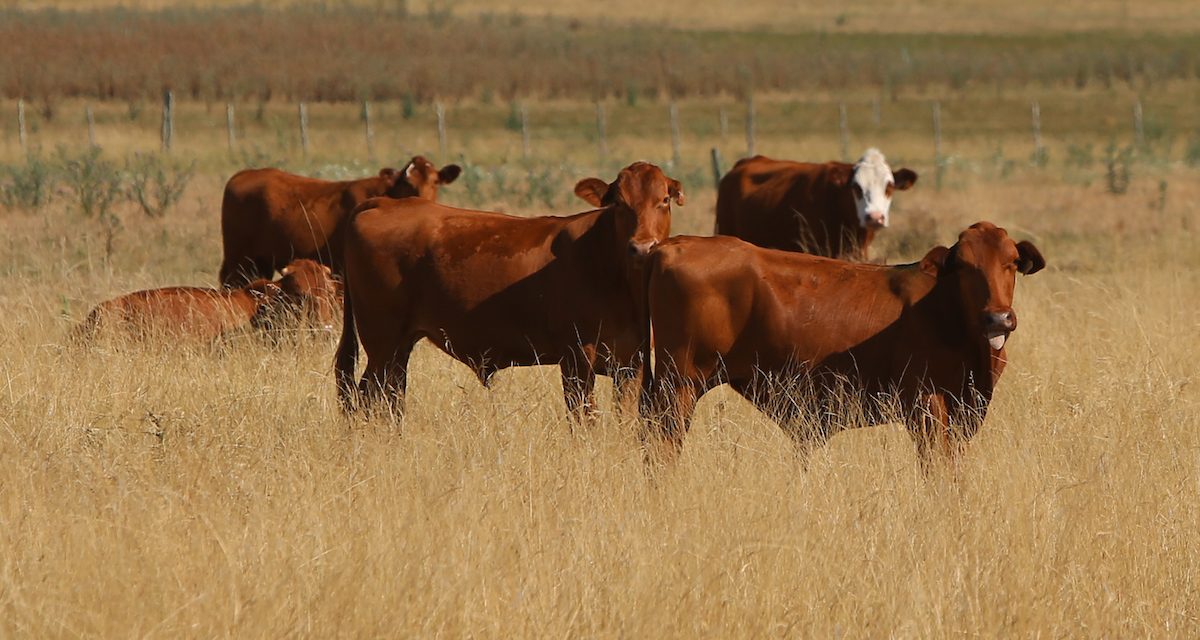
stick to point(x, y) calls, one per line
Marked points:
point(449, 173)
point(1029, 259)
point(935, 260)
point(675, 190)
point(905, 178)
point(591, 191)
point(389, 175)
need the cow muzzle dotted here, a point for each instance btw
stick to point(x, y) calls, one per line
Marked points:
point(876, 220)
point(997, 325)
point(641, 249)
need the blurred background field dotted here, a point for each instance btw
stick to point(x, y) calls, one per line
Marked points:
point(175, 490)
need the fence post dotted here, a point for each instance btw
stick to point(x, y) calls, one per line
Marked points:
point(750, 126)
point(716, 167)
point(1139, 130)
point(21, 122)
point(844, 131)
point(876, 111)
point(368, 132)
point(441, 127)
point(303, 129)
point(937, 145)
point(1039, 152)
point(601, 131)
point(676, 159)
point(524, 132)
point(91, 123)
point(168, 120)
point(723, 122)
point(230, 136)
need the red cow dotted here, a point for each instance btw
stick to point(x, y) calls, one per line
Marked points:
point(269, 217)
point(927, 337)
point(831, 209)
point(306, 288)
point(495, 291)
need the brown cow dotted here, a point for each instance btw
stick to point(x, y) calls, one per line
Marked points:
point(269, 217)
point(927, 337)
point(306, 288)
point(831, 209)
point(496, 291)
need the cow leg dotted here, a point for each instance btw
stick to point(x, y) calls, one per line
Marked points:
point(930, 429)
point(386, 380)
point(579, 383)
point(670, 418)
point(627, 389)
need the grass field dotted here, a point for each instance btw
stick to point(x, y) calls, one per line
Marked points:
point(188, 491)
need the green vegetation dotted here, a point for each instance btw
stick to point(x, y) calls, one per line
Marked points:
point(348, 53)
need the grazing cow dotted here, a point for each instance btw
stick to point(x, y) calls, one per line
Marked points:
point(305, 289)
point(495, 291)
point(928, 337)
point(831, 209)
point(269, 217)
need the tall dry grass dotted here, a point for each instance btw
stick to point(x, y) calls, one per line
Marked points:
point(159, 490)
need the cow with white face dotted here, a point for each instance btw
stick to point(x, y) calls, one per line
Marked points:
point(873, 185)
point(831, 209)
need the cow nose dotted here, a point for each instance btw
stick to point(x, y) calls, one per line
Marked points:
point(640, 249)
point(876, 219)
point(1005, 320)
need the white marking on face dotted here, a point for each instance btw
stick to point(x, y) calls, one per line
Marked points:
point(872, 177)
point(408, 172)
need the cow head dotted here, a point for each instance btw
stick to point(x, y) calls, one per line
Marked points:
point(982, 268)
point(418, 178)
point(872, 182)
point(641, 198)
point(309, 288)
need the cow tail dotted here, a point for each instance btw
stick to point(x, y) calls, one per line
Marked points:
point(346, 360)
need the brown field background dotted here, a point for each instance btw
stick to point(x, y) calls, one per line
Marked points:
point(175, 490)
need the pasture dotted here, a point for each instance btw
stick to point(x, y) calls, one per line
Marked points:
point(184, 490)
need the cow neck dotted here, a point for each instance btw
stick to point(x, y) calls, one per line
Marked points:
point(602, 234)
point(964, 337)
point(373, 187)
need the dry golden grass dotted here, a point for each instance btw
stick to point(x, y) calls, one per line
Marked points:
point(924, 16)
point(181, 492)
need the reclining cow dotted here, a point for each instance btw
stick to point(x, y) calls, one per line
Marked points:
point(306, 291)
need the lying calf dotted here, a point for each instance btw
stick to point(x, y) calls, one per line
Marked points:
point(306, 289)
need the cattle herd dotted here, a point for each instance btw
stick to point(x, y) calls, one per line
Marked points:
point(781, 304)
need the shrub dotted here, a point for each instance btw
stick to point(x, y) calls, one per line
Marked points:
point(29, 186)
point(1117, 160)
point(94, 180)
point(157, 183)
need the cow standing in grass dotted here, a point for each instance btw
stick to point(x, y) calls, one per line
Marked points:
point(269, 217)
point(927, 339)
point(496, 291)
point(832, 209)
